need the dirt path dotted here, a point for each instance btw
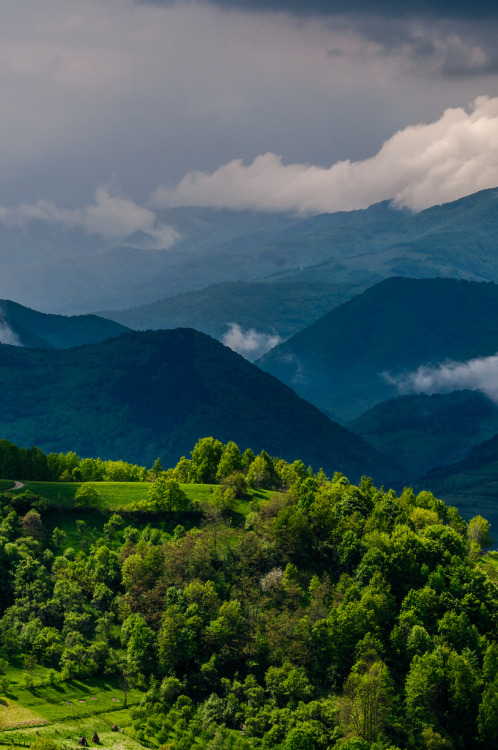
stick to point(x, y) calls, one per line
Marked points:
point(17, 485)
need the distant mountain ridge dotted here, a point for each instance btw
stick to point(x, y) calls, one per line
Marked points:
point(143, 395)
point(469, 483)
point(280, 309)
point(22, 326)
point(422, 431)
point(66, 271)
point(339, 361)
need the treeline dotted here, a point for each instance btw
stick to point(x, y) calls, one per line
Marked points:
point(337, 616)
point(32, 464)
point(211, 462)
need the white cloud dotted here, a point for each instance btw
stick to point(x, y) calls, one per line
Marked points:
point(420, 166)
point(250, 344)
point(7, 335)
point(479, 374)
point(111, 216)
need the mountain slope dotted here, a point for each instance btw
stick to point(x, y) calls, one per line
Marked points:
point(339, 362)
point(281, 309)
point(455, 240)
point(470, 483)
point(144, 395)
point(26, 327)
point(420, 432)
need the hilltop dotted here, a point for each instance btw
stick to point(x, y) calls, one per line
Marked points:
point(25, 327)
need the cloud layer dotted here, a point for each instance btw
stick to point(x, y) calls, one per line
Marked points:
point(250, 344)
point(140, 93)
point(419, 166)
point(444, 8)
point(479, 374)
point(7, 335)
point(111, 216)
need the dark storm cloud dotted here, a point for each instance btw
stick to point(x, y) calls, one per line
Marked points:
point(445, 47)
point(442, 38)
point(390, 8)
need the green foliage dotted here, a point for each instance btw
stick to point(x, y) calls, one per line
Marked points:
point(166, 496)
point(206, 456)
point(338, 615)
point(87, 496)
point(42, 743)
point(479, 533)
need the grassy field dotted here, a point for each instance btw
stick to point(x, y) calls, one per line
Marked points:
point(6, 484)
point(67, 733)
point(116, 496)
point(119, 497)
point(66, 711)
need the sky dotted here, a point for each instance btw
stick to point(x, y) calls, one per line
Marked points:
point(114, 109)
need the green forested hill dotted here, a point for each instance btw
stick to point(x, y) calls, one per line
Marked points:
point(333, 617)
point(150, 394)
point(42, 330)
point(420, 432)
point(339, 362)
point(272, 308)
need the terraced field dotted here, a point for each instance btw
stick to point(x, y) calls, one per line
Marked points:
point(67, 711)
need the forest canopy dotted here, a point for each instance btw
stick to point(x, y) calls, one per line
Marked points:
point(325, 615)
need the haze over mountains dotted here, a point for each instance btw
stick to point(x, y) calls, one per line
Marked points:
point(422, 431)
point(67, 271)
point(229, 311)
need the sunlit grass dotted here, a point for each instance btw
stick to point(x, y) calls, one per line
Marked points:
point(66, 733)
point(116, 496)
point(69, 700)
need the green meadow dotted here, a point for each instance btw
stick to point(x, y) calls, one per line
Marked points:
point(121, 496)
point(66, 711)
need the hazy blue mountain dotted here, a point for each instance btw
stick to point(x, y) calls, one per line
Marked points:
point(470, 483)
point(66, 271)
point(276, 309)
point(155, 393)
point(420, 432)
point(340, 362)
point(455, 240)
point(22, 326)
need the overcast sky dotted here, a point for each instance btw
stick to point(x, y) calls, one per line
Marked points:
point(280, 104)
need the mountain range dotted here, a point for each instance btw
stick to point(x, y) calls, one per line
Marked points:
point(55, 269)
point(360, 353)
point(424, 431)
point(148, 394)
point(358, 302)
point(273, 310)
